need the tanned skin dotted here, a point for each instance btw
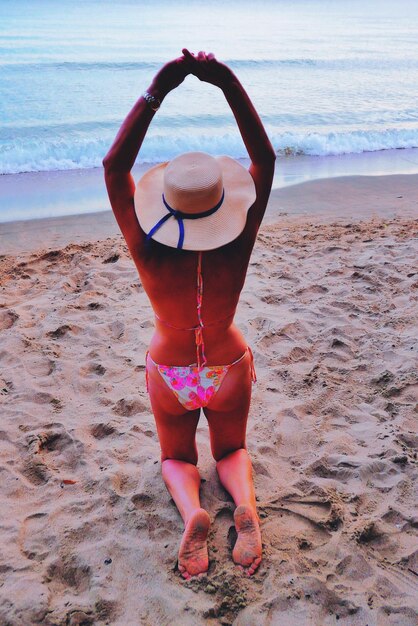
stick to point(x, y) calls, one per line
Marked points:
point(169, 279)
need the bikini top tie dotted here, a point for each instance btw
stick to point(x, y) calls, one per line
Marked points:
point(198, 329)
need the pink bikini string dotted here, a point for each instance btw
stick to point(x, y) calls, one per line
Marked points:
point(199, 329)
point(200, 344)
point(253, 374)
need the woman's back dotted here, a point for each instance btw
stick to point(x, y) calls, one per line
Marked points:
point(170, 279)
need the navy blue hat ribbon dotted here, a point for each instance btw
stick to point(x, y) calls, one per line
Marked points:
point(179, 216)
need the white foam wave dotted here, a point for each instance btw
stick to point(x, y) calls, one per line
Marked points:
point(334, 143)
point(83, 153)
point(50, 155)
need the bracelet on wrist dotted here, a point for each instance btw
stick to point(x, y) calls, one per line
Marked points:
point(153, 102)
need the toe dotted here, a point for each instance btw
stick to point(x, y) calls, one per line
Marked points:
point(183, 571)
point(254, 566)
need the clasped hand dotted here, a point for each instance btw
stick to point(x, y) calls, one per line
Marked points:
point(204, 66)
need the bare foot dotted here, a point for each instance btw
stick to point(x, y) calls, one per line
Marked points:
point(193, 553)
point(247, 549)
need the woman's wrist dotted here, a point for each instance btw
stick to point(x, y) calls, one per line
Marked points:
point(229, 80)
point(156, 91)
point(231, 85)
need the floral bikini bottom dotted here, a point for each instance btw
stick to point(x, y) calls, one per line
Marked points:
point(194, 386)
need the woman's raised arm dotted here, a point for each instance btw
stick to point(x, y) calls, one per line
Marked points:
point(255, 138)
point(121, 156)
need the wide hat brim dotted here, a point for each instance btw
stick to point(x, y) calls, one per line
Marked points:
point(206, 233)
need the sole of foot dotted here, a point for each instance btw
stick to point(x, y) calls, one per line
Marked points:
point(247, 551)
point(193, 553)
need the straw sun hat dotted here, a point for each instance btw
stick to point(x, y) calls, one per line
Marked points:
point(195, 201)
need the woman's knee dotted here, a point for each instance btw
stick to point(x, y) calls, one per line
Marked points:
point(221, 453)
point(236, 453)
point(188, 456)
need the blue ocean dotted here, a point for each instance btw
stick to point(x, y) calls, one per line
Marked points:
point(328, 77)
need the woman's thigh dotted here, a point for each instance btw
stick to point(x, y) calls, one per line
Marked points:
point(176, 427)
point(227, 412)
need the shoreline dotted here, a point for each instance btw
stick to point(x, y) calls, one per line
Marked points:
point(39, 195)
point(315, 201)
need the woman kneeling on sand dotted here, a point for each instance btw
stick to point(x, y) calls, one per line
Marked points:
point(190, 226)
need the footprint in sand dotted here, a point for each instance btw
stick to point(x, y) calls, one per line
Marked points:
point(302, 520)
point(380, 547)
point(288, 531)
point(95, 369)
point(102, 430)
point(116, 330)
point(223, 534)
point(335, 467)
point(36, 540)
point(59, 332)
point(296, 354)
point(306, 294)
point(339, 344)
point(322, 510)
point(39, 366)
point(68, 571)
point(382, 474)
point(39, 397)
point(143, 501)
point(396, 616)
point(295, 331)
point(7, 319)
point(123, 484)
point(272, 299)
point(259, 466)
point(268, 343)
point(354, 567)
point(35, 471)
point(5, 387)
point(43, 449)
point(128, 407)
point(112, 258)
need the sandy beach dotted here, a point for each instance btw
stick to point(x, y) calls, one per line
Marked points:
point(89, 534)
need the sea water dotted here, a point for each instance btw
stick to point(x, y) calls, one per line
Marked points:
point(328, 77)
